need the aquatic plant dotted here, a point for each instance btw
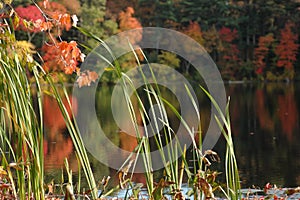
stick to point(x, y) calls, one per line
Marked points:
point(21, 114)
point(231, 168)
point(165, 139)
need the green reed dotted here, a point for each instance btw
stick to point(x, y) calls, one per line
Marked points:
point(22, 131)
point(143, 150)
point(231, 168)
point(75, 135)
point(21, 118)
point(173, 168)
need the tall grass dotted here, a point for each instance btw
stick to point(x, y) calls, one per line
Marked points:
point(173, 168)
point(75, 136)
point(170, 157)
point(21, 129)
point(21, 118)
point(231, 168)
point(162, 137)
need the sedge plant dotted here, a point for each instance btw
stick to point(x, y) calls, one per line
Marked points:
point(21, 130)
point(21, 116)
point(231, 168)
point(139, 116)
point(172, 167)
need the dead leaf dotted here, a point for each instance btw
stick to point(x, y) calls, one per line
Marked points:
point(293, 191)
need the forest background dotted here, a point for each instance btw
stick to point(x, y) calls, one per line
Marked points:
point(248, 40)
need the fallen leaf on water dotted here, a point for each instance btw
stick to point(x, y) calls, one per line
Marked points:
point(293, 191)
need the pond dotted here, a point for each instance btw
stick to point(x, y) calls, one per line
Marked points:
point(265, 122)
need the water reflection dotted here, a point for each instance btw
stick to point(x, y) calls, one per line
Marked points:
point(265, 123)
point(265, 120)
point(57, 144)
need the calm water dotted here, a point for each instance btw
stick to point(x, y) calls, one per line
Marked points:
point(265, 123)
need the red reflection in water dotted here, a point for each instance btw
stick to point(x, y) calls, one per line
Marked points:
point(128, 142)
point(285, 107)
point(288, 114)
point(53, 119)
point(57, 147)
point(265, 120)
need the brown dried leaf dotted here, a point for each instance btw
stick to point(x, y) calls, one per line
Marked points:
point(212, 155)
point(206, 161)
point(104, 181)
point(293, 191)
point(93, 76)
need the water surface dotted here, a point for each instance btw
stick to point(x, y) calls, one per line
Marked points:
point(265, 125)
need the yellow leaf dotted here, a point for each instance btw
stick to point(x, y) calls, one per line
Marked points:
point(2, 171)
point(7, 1)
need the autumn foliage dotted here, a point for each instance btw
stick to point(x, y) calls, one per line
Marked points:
point(263, 49)
point(128, 22)
point(231, 50)
point(261, 52)
point(53, 14)
point(194, 31)
point(29, 17)
point(58, 15)
point(228, 35)
point(229, 59)
point(51, 18)
point(286, 50)
point(62, 56)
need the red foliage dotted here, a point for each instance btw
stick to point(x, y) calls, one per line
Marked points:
point(230, 51)
point(58, 13)
point(195, 32)
point(32, 20)
point(32, 14)
point(58, 55)
point(62, 56)
point(228, 35)
point(287, 48)
point(127, 22)
point(262, 51)
point(50, 58)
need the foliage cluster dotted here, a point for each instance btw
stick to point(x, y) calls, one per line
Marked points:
point(232, 32)
point(207, 20)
